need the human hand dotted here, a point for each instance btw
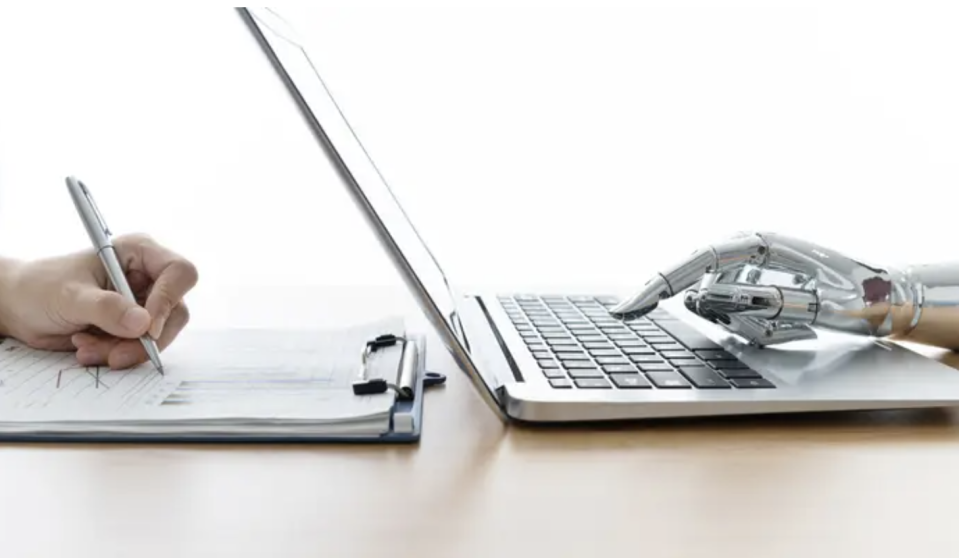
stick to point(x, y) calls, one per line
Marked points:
point(65, 302)
point(770, 288)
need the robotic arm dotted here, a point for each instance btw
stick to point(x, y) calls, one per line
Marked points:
point(769, 289)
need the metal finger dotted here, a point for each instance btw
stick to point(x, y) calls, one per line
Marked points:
point(726, 257)
point(729, 255)
point(761, 301)
point(761, 332)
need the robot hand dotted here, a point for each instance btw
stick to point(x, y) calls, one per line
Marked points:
point(769, 288)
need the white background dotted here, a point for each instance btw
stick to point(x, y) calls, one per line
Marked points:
point(546, 145)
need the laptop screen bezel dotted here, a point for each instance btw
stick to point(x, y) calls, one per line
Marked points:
point(449, 329)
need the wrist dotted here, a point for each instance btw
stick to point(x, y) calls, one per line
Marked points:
point(9, 269)
point(936, 319)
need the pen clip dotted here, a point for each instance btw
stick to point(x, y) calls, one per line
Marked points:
point(96, 210)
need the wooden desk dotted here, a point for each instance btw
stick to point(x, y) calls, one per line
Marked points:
point(872, 484)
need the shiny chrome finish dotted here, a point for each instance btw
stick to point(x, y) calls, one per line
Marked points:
point(770, 288)
point(721, 258)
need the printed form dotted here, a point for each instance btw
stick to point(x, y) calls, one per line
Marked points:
point(208, 374)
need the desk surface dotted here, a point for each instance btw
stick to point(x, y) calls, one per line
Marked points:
point(878, 484)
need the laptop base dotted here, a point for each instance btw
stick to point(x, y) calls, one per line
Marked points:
point(555, 358)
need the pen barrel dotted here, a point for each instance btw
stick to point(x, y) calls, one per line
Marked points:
point(115, 273)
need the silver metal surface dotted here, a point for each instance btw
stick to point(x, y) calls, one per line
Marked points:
point(834, 372)
point(770, 288)
point(346, 154)
point(484, 343)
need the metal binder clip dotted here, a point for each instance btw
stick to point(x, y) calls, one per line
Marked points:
point(366, 386)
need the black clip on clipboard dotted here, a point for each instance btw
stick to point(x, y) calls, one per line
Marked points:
point(403, 385)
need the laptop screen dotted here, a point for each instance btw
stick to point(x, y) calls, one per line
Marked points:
point(419, 268)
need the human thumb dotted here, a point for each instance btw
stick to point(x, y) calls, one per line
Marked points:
point(108, 311)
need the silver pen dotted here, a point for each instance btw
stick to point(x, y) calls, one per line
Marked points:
point(101, 237)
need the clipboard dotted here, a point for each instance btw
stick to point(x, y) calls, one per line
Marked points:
point(410, 383)
point(386, 362)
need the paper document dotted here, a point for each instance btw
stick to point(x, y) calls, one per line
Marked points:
point(211, 377)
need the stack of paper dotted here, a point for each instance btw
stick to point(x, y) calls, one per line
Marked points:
point(240, 383)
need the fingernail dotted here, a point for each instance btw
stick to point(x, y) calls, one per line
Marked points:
point(135, 319)
point(157, 328)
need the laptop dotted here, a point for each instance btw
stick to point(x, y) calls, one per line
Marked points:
point(561, 357)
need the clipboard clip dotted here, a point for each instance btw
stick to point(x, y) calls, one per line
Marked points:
point(366, 386)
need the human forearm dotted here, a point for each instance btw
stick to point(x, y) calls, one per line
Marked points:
point(8, 269)
point(937, 289)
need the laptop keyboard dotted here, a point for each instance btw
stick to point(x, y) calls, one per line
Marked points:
point(578, 345)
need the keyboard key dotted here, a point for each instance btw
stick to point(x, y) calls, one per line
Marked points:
point(704, 378)
point(652, 334)
point(554, 373)
point(663, 346)
point(598, 345)
point(611, 360)
point(739, 373)
point(653, 366)
point(591, 338)
point(622, 337)
point(629, 343)
point(561, 383)
point(593, 383)
point(752, 383)
point(555, 335)
point(638, 350)
point(668, 380)
point(572, 356)
point(579, 364)
point(620, 369)
point(727, 364)
point(587, 334)
point(567, 349)
point(604, 352)
point(630, 381)
point(718, 354)
point(676, 354)
point(541, 354)
point(593, 373)
point(528, 334)
point(687, 361)
point(646, 358)
point(547, 363)
point(658, 338)
point(556, 342)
